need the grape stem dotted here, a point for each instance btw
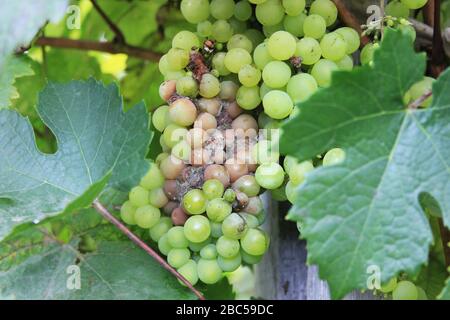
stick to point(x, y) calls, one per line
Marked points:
point(108, 216)
point(416, 103)
point(350, 20)
point(437, 56)
point(119, 36)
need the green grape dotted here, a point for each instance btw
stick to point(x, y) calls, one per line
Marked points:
point(178, 58)
point(309, 50)
point(397, 9)
point(262, 152)
point(164, 66)
point(209, 86)
point(254, 242)
point(254, 206)
point(333, 157)
point(163, 244)
point(127, 212)
point(367, 53)
point(187, 86)
point(294, 7)
point(222, 31)
point(421, 294)
point(182, 112)
point(209, 271)
point(277, 104)
point(176, 237)
point(229, 195)
point(291, 192)
point(257, 1)
point(198, 246)
point(333, 46)
point(238, 26)
point(251, 220)
point(204, 28)
point(228, 90)
point(322, 71)
point(255, 36)
point(216, 229)
point(277, 195)
point(147, 216)
point(288, 163)
point(269, 30)
point(405, 290)
point(345, 63)
point(414, 4)
point(248, 97)
point(249, 76)
point(189, 271)
point(248, 185)
point(301, 86)
point(236, 58)
point(234, 226)
point(160, 228)
point(227, 247)
point(408, 31)
point(326, 9)
point(261, 56)
point(420, 88)
point(276, 74)
point(229, 264)
point(243, 10)
point(182, 151)
point(87, 244)
point(294, 24)
point(218, 62)
point(270, 175)
point(197, 229)
point(298, 172)
point(157, 198)
point(195, 11)
point(185, 40)
point(160, 118)
point(173, 134)
point(281, 45)
point(209, 252)
point(178, 257)
point(194, 202)
point(218, 209)
point(314, 26)
point(351, 37)
point(213, 189)
point(250, 259)
point(222, 9)
point(390, 286)
point(138, 196)
point(240, 41)
point(270, 12)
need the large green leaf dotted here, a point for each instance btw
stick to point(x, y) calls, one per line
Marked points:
point(117, 270)
point(21, 20)
point(366, 211)
point(96, 140)
point(14, 68)
point(445, 294)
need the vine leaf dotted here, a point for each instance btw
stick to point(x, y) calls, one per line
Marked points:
point(445, 294)
point(117, 270)
point(366, 212)
point(14, 68)
point(98, 144)
point(21, 20)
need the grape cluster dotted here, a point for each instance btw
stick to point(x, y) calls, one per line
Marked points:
point(403, 290)
point(246, 66)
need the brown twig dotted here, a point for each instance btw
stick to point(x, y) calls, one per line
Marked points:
point(428, 13)
point(109, 47)
point(416, 103)
point(349, 19)
point(438, 53)
point(108, 216)
point(445, 236)
point(119, 36)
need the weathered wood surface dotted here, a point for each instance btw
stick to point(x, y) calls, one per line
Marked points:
point(283, 273)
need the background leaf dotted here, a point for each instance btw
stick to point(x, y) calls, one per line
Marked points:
point(95, 139)
point(366, 211)
point(15, 67)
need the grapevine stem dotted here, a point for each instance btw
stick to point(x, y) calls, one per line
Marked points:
point(120, 37)
point(416, 103)
point(108, 216)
